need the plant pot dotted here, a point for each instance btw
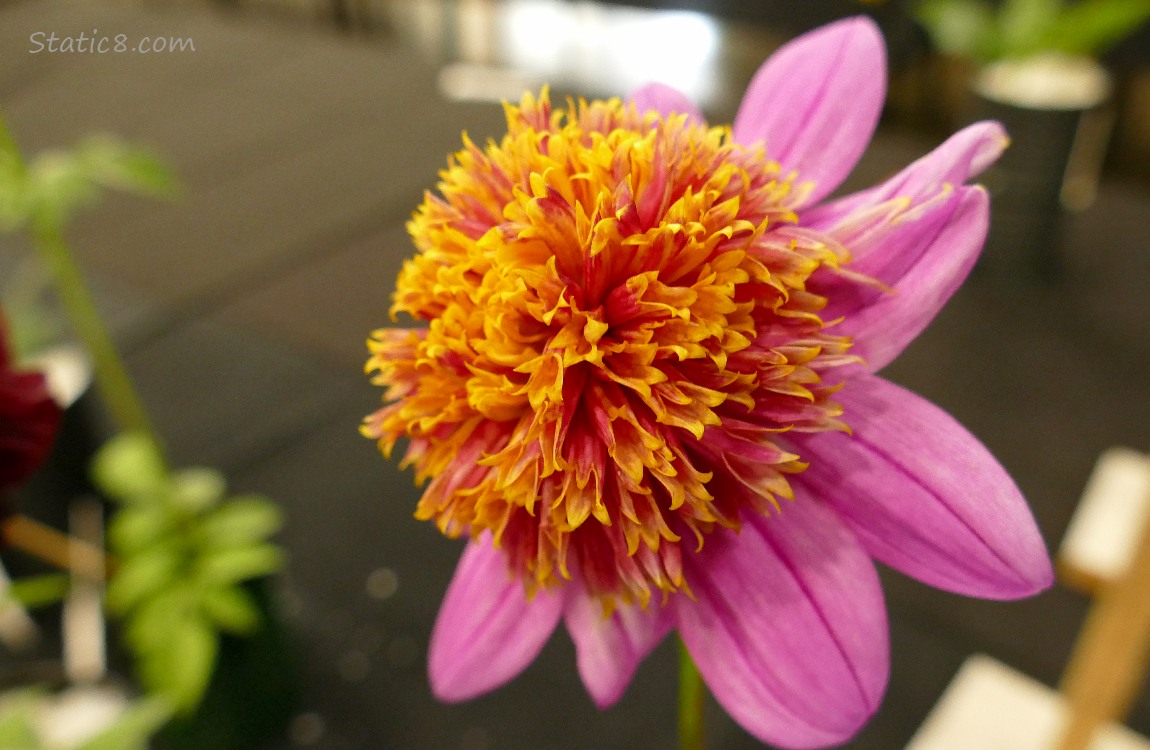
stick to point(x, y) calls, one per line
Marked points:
point(49, 493)
point(1055, 109)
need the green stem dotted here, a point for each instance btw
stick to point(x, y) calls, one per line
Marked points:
point(692, 699)
point(110, 373)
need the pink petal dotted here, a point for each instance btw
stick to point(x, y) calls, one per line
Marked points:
point(918, 233)
point(924, 496)
point(816, 101)
point(666, 101)
point(924, 255)
point(788, 627)
point(963, 156)
point(487, 631)
point(609, 649)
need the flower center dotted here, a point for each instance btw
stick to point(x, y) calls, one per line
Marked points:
point(618, 336)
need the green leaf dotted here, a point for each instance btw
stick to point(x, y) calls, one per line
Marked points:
point(1091, 27)
point(1022, 24)
point(15, 203)
point(237, 564)
point(181, 671)
point(129, 468)
point(143, 576)
point(240, 521)
point(40, 591)
point(957, 27)
point(232, 609)
point(135, 528)
point(114, 163)
point(199, 489)
point(58, 184)
point(148, 628)
point(133, 729)
point(17, 720)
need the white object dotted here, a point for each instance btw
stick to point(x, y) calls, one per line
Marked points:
point(67, 370)
point(989, 706)
point(17, 629)
point(1046, 81)
point(1111, 517)
point(78, 714)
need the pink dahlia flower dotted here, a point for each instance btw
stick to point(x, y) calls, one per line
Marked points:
point(645, 390)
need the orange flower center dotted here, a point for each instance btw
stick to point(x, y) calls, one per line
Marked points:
point(618, 333)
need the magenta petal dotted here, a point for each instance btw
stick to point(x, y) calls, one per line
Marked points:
point(924, 257)
point(924, 496)
point(816, 101)
point(666, 101)
point(610, 648)
point(487, 631)
point(788, 627)
point(963, 156)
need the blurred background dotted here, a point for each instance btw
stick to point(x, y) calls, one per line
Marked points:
point(304, 132)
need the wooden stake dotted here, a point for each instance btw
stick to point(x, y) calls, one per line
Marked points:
point(53, 547)
point(1111, 653)
point(85, 654)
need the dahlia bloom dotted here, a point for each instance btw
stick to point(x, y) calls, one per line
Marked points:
point(645, 390)
point(28, 421)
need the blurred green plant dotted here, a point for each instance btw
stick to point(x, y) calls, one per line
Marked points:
point(983, 31)
point(183, 551)
point(181, 548)
point(21, 713)
point(39, 591)
point(38, 197)
point(51, 187)
point(45, 193)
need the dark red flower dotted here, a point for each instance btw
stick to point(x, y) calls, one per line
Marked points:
point(29, 418)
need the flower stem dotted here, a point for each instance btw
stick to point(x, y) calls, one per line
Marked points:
point(111, 375)
point(692, 699)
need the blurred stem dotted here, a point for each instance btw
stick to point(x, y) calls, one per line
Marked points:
point(111, 375)
point(692, 699)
